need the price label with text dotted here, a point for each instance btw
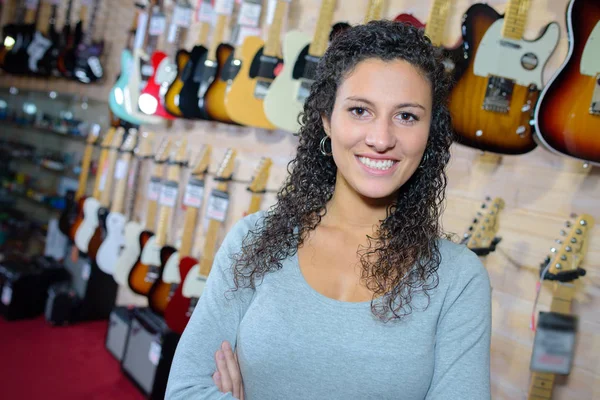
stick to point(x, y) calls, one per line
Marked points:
point(182, 16)
point(154, 188)
point(249, 14)
point(168, 194)
point(194, 194)
point(205, 11)
point(247, 31)
point(158, 24)
point(224, 7)
point(154, 353)
point(218, 202)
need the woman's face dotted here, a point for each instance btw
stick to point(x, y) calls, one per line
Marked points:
point(379, 126)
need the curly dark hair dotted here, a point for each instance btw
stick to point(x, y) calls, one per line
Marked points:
point(403, 257)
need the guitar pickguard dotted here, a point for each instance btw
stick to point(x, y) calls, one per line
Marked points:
point(590, 59)
point(519, 60)
point(171, 270)
point(194, 284)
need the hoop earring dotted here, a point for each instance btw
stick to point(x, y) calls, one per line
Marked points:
point(322, 146)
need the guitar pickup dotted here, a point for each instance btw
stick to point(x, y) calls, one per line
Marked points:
point(498, 94)
point(595, 105)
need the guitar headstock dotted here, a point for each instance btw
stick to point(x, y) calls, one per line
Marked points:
point(144, 147)
point(180, 152)
point(227, 165)
point(130, 141)
point(374, 10)
point(203, 161)
point(118, 138)
point(481, 238)
point(162, 153)
point(108, 138)
point(564, 261)
point(93, 135)
point(261, 176)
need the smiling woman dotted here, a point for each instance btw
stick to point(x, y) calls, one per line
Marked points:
point(347, 288)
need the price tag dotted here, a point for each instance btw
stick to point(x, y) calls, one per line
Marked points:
point(154, 353)
point(249, 14)
point(168, 194)
point(158, 24)
point(554, 343)
point(247, 31)
point(102, 182)
point(31, 4)
point(194, 194)
point(224, 7)
point(86, 271)
point(132, 175)
point(154, 188)
point(182, 16)
point(271, 11)
point(218, 202)
point(121, 169)
point(6, 294)
point(205, 11)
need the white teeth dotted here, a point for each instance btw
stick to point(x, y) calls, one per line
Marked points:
point(377, 164)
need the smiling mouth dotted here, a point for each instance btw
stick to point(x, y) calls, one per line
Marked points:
point(382, 165)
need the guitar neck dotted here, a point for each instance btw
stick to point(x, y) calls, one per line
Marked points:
point(203, 34)
point(436, 24)
point(102, 162)
point(255, 202)
point(88, 36)
point(217, 37)
point(210, 243)
point(121, 183)
point(273, 43)
point(374, 10)
point(187, 237)
point(108, 178)
point(85, 170)
point(542, 383)
point(321, 39)
point(515, 19)
point(43, 16)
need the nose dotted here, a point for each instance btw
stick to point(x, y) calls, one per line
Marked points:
point(380, 136)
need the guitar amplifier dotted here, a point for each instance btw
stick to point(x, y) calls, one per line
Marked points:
point(62, 306)
point(24, 284)
point(149, 353)
point(119, 322)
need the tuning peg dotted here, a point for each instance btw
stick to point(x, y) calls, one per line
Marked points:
point(553, 250)
point(484, 205)
point(568, 248)
point(475, 220)
point(563, 232)
point(480, 214)
point(578, 231)
point(563, 257)
point(558, 266)
point(573, 215)
point(488, 198)
point(466, 236)
point(573, 240)
point(559, 241)
point(583, 222)
point(470, 229)
point(568, 224)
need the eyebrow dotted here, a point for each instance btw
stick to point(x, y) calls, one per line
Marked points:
point(401, 105)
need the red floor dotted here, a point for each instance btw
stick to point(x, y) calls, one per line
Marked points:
point(67, 363)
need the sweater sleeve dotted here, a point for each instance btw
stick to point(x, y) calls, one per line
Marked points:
point(462, 348)
point(216, 318)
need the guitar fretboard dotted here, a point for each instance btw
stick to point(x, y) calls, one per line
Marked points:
point(515, 19)
point(436, 24)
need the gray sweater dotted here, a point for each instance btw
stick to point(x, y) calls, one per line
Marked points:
point(294, 343)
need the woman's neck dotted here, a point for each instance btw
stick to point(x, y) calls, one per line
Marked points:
point(349, 210)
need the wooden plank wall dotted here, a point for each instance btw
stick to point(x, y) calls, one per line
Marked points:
point(540, 189)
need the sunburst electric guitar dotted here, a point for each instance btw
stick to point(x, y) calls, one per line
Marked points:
point(492, 103)
point(567, 115)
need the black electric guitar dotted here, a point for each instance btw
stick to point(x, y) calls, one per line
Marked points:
point(71, 38)
point(16, 60)
point(87, 58)
point(45, 42)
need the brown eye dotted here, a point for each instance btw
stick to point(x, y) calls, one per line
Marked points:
point(358, 111)
point(407, 117)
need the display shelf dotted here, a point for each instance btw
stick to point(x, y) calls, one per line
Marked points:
point(44, 130)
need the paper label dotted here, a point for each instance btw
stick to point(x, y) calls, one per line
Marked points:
point(154, 353)
point(249, 14)
point(102, 182)
point(218, 202)
point(6, 294)
point(121, 169)
point(247, 31)
point(86, 271)
point(168, 194)
point(154, 188)
point(182, 16)
point(224, 7)
point(194, 194)
point(158, 23)
point(205, 11)
point(271, 11)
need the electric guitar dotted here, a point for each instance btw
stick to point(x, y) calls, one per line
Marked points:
point(66, 59)
point(91, 205)
point(260, 62)
point(562, 267)
point(492, 103)
point(567, 116)
point(44, 38)
point(16, 59)
point(285, 99)
point(162, 291)
point(108, 251)
point(481, 238)
point(211, 90)
point(136, 233)
point(195, 281)
point(10, 32)
point(69, 214)
point(154, 253)
point(151, 100)
point(88, 67)
point(106, 187)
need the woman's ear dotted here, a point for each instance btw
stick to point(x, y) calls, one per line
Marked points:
point(326, 124)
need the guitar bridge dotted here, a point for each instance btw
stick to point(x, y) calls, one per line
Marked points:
point(498, 94)
point(595, 105)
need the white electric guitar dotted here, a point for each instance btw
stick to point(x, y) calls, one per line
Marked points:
point(505, 55)
point(286, 95)
point(192, 199)
point(109, 250)
point(195, 281)
point(133, 229)
point(92, 204)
